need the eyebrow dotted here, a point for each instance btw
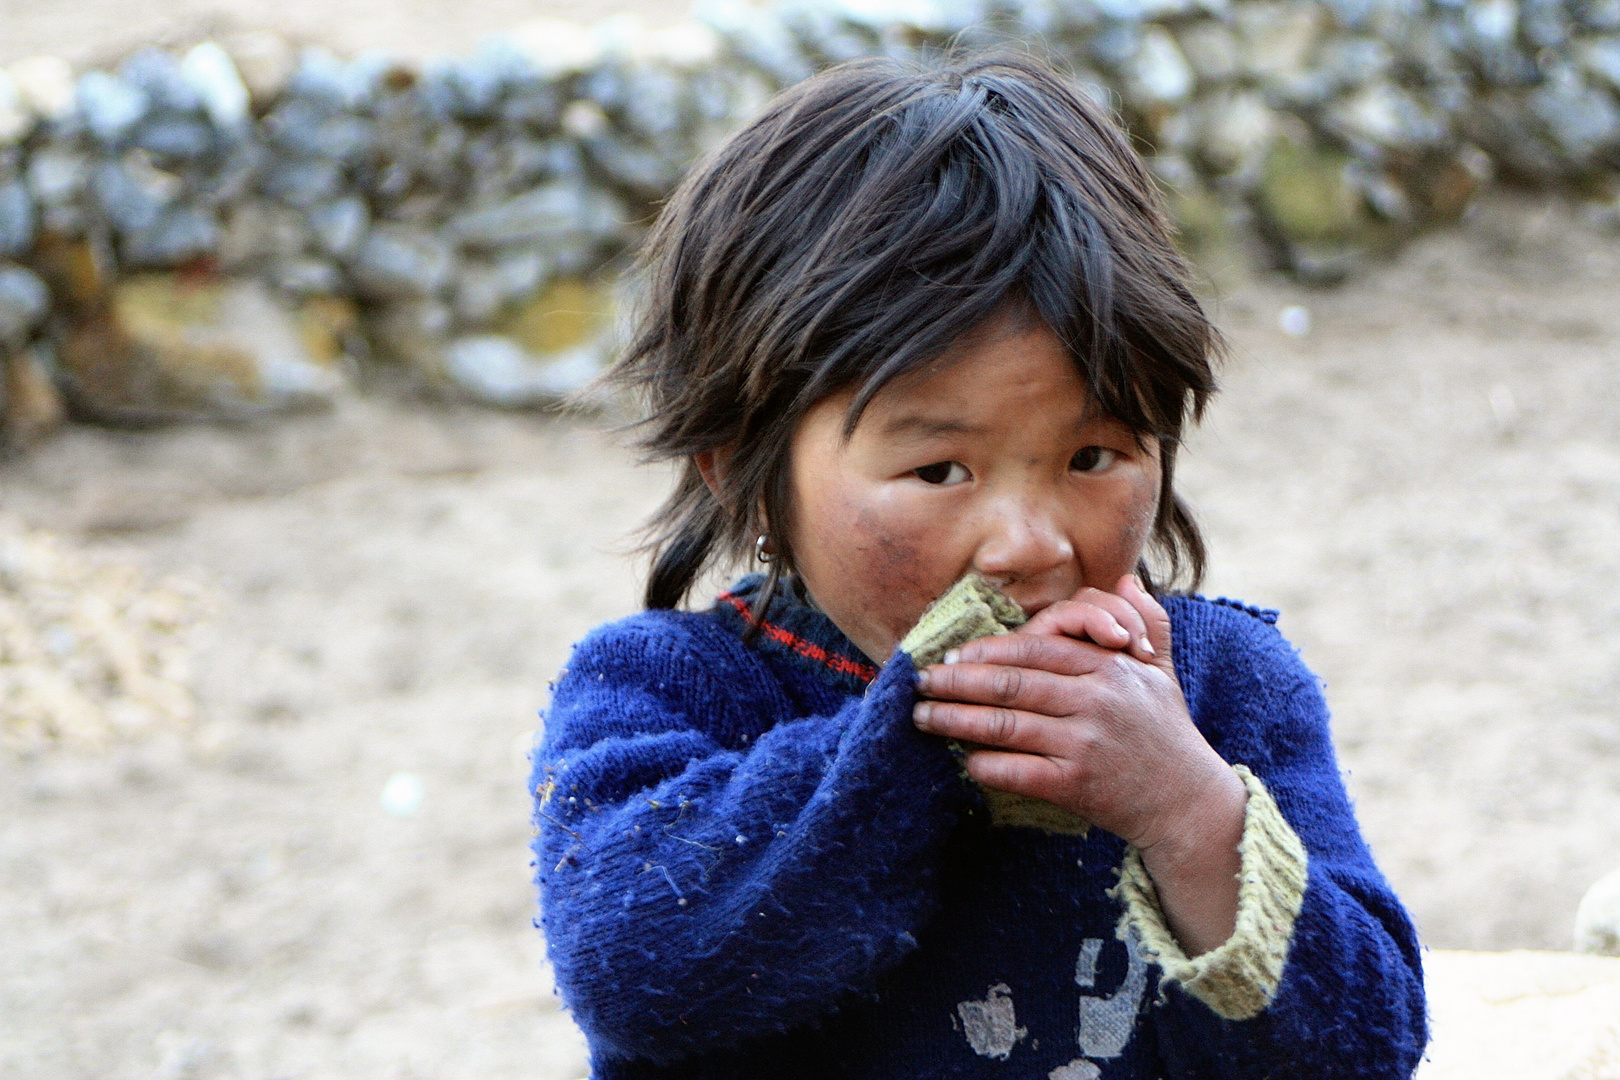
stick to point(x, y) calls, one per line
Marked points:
point(914, 426)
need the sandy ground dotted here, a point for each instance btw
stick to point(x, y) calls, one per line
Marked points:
point(1428, 485)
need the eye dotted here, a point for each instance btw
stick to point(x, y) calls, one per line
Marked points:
point(942, 472)
point(1093, 459)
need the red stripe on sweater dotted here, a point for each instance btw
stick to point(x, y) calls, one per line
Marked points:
point(808, 649)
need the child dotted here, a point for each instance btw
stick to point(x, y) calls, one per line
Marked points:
point(920, 333)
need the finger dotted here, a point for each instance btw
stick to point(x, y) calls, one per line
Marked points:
point(1021, 774)
point(1154, 617)
point(1106, 618)
point(1005, 685)
point(1056, 653)
point(1007, 729)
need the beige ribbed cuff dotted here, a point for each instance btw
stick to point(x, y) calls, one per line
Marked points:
point(1238, 979)
point(971, 609)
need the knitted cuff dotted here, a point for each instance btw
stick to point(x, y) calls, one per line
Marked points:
point(971, 609)
point(1238, 979)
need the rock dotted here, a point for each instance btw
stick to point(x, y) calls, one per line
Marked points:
point(1159, 74)
point(1601, 59)
point(484, 289)
point(133, 194)
point(255, 230)
point(181, 138)
point(1584, 122)
point(568, 315)
point(496, 370)
point(163, 346)
point(327, 326)
point(157, 75)
point(24, 301)
point(1312, 211)
point(558, 213)
point(340, 226)
point(303, 183)
point(111, 106)
point(16, 119)
point(414, 334)
point(1278, 39)
point(306, 277)
point(265, 64)
point(56, 176)
point(1210, 49)
point(1234, 131)
point(45, 85)
point(17, 219)
point(1597, 920)
point(180, 234)
point(208, 70)
point(30, 405)
point(399, 261)
point(1385, 115)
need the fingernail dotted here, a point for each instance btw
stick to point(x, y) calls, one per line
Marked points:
point(951, 657)
point(919, 713)
point(922, 679)
point(1147, 647)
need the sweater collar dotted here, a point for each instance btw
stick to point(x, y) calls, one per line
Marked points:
point(796, 631)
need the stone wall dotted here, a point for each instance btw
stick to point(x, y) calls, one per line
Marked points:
point(241, 226)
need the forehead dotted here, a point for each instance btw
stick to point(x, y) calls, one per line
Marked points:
point(1005, 375)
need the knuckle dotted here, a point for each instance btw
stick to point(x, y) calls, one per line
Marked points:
point(1005, 684)
point(1002, 724)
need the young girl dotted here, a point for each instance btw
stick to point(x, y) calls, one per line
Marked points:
point(923, 343)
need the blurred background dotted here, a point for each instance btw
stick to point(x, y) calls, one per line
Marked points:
point(293, 536)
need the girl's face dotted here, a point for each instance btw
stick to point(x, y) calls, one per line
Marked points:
point(993, 462)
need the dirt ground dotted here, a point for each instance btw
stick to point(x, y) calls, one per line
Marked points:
point(1427, 484)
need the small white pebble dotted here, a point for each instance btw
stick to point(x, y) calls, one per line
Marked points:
point(681, 902)
point(1295, 321)
point(741, 840)
point(402, 795)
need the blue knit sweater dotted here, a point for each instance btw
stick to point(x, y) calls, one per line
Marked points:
point(752, 865)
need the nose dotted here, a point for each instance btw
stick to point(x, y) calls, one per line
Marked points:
point(1024, 540)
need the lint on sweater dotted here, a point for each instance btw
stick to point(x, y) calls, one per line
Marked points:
point(751, 864)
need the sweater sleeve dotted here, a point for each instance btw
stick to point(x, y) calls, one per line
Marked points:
point(708, 876)
point(1350, 1001)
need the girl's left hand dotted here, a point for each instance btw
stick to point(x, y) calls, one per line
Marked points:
point(1103, 733)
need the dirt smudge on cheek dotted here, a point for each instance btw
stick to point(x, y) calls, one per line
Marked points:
point(893, 576)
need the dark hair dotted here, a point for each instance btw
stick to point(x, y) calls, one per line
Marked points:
point(867, 220)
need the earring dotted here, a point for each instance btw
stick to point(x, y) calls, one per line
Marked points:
point(759, 548)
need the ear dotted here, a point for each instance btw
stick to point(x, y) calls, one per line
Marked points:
point(710, 465)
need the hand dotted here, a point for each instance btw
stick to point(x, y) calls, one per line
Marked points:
point(1103, 732)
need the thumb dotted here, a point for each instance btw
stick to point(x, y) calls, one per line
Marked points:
point(1154, 617)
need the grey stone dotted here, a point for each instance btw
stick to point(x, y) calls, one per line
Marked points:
point(110, 105)
point(497, 371)
point(178, 137)
point(303, 183)
point(211, 73)
point(307, 277)
point(1601, 59)
point(532, 103)
point(180, 234)
point(1583, 122)
point(399, 261)
point(255, 230)
point(1210, 48)
point(24, 300)
point(643, 169)
point(483, 288)
point(157, 75)
point(1600, 15)
point(310, 128)
point(339, 226)
point(130, 195)
point(557, 213)
point(17, 219)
